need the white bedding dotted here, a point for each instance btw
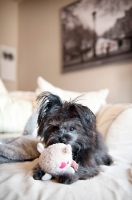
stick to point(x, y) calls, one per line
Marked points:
point(113, 183)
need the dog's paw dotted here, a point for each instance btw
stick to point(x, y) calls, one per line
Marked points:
point(67, 178)
point(38, 173)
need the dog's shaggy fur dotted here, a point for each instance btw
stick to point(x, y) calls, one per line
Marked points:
point(75, 124)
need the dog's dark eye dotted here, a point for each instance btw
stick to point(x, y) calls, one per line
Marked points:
point(55, 128)
point(71, 128)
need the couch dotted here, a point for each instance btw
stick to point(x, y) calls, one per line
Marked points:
point(113, 121)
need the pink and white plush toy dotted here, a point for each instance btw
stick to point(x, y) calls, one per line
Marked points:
point(56, 159)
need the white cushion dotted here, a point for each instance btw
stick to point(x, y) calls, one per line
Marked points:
point(94, 100)
point(24, 95)
point(13, 114)
point(3, 89)
point(119, 135)
point(107, 115)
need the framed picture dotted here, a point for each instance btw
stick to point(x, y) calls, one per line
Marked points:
point(95, 33)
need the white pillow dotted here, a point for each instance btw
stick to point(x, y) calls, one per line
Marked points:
point(119, 135)
point(14, 114)
point(107, 115)
point(94, 100)
point(3, 89)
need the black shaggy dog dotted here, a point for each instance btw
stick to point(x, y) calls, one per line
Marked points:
point(74, 124)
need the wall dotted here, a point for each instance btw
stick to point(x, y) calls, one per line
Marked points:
point(40, 55)
point(9, 30)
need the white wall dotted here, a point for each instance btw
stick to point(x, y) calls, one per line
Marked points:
point(40, 55)
point(9, 30)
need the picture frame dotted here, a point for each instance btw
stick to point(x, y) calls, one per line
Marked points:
point(95, 33)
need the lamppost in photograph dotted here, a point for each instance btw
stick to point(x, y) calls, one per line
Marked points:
point(94, 33)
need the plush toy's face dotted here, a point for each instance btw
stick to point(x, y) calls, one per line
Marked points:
point(55, 159)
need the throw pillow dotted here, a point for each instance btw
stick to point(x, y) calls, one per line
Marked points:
point(3, 89)
point(94, 100)
point(119, 135)
point(14, 114)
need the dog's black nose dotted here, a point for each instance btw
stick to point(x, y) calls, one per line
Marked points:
point(62, 140)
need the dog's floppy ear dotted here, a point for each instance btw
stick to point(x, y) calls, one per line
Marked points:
point(86, 116)
point(46, 101)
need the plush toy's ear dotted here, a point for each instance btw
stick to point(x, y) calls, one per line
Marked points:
point(40, 147)
point(67, 149)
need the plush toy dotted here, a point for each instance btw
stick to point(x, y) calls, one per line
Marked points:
point(56, 159)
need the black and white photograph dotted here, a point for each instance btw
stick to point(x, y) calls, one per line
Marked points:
point(96, 33)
